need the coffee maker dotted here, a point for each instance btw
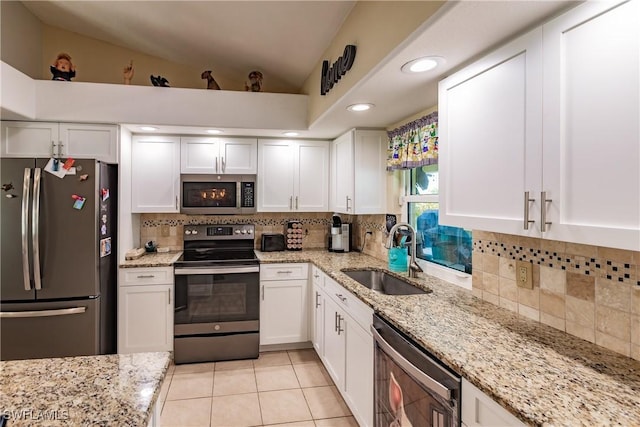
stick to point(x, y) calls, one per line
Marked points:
point(340, 235)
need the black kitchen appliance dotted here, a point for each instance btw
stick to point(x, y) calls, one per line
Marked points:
point(272, 242)
point(217, 302)
point(217, 194)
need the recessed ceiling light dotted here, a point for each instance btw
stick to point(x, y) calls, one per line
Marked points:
point(148, 128)
point(214, 131)
point(291, 134)
point(420, 65)
point(359, 107)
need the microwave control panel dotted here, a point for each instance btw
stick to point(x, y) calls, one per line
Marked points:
point(248, 194)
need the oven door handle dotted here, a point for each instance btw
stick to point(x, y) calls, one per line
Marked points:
point(215, 270)
point(425, 379)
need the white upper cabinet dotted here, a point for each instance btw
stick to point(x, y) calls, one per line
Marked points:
point(206, 155)
point(293, 176)
point(155, 174)
point(358, 172)
point(490, 139)
point(43, 139)
point(555, 114)
point(591, 127)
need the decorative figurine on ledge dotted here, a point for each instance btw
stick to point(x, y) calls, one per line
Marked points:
point(127, 73)
point(62, 68)
point(255, 82)
point(159, 81)
point(211, 82)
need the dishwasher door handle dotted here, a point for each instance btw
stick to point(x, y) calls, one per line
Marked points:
point(425, 379)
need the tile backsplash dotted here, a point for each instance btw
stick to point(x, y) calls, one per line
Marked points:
point(587, 291)
point(167, 229)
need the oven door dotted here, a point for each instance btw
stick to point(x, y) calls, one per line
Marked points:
point(410, 388)
point(206, 295)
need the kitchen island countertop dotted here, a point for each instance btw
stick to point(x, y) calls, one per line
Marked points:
point(542, 375)
point(106, 390)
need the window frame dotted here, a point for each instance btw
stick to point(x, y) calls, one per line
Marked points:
point(447, 274)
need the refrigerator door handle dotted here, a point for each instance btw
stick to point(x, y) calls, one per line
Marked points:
point(35, 225)
point(42, 313)
point(25, 229)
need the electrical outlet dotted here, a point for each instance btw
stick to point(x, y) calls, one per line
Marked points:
point(524, 275)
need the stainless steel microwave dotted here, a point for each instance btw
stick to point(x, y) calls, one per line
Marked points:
point(217, 194)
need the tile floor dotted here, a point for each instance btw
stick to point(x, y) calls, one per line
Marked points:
point(284, 388)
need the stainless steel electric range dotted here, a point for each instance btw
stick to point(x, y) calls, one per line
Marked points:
point(217, 295)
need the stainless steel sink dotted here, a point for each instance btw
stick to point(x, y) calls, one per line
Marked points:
point(383, 282)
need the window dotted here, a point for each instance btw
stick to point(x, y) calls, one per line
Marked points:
point(440, 244)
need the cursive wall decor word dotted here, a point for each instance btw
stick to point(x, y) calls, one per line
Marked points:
point(331, 75)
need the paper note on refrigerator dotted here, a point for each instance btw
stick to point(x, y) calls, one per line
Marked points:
point(58, 171)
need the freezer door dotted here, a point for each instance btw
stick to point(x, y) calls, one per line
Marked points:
point(67, 237)
point(15, 232)
point(55, 329)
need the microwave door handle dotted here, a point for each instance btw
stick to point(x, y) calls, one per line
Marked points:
point(238, 194)
point(35, 228)
point(25, 229)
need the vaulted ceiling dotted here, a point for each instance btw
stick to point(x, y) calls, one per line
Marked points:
point(286, 39)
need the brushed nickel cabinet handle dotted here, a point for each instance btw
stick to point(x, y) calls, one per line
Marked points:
point(543, 211)
point(527, 201)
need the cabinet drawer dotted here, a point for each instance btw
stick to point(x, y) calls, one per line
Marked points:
point(317, 276)
point(284, 271)
point(146, 276)
point(361, 312)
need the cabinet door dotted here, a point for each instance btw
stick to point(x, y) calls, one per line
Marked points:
point(145, 318)
point(370, 163)
point(359, 372)
point(239, 156)
point(283, 312)
point(317, 319)
point(342, 179)
point(82, 141)
point(311, 182)
point(275, 176)
point(490, 142)
point(155, 174)
point(29, 139)
point(199, 155)
point(591, 149)
point(334, 343)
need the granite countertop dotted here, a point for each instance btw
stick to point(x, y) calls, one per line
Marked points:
point(108, 390)
point(153, 259)
point(541, 375)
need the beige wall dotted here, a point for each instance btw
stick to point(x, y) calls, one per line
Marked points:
point(376, 28)
point(100, 62)
point(21, 38)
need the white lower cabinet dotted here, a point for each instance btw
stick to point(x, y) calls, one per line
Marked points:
point(317, 306)
point(347, 347)
point(283, 303)
point(479, 410)
point(145, 310)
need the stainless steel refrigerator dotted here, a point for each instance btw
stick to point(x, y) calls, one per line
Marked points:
point(58, 262)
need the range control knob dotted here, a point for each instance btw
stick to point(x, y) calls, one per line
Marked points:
point(237, 231)
point(244, 231)
point(250, 231)
point(187, 232)
point(194, 232)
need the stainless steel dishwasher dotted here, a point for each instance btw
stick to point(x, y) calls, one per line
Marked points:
point(411, 387)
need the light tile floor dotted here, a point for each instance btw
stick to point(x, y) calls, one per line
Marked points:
point(284, 388)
